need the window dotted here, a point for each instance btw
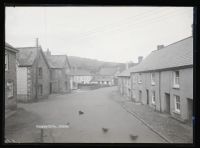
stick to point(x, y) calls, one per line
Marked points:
point(152, 78)
point(176, 79)
point(40, 72)
point(40, 90)
point(10, 89)
point(6, 61)
point(140, 78)
point(177, 104)
point(153, 97)
point(134, 95)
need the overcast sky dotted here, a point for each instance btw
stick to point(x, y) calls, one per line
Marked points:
point(116, 34)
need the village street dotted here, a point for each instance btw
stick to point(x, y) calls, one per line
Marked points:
point(99, 109)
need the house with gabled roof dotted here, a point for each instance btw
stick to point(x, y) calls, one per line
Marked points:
point(80, 76)
point(124, 79)
point(164, 79)
point(33, 76)
point(59, 73)
point(106, 76)
point(10, 80)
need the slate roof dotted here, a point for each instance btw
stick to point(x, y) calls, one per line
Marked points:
point(26, 56)
point(57, 61)
point(125, 73)
point(108, 71)
point(174, 55)
point(9, 47)
point(80, 72)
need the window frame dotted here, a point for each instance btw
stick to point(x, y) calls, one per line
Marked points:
point(177, 110)
point(153, 78)
point(40, 72)
point(176, 79)
point(153, 97)
point(6, 61)
point(140, 78)
point(7, 89)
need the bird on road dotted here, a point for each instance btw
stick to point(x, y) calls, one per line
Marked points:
point(80, 112)
point(133, 137)
point(105, 130)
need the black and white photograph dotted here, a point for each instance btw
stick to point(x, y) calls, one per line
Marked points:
point(77, 74)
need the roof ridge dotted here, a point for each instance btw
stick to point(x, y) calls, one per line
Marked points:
point(172, 43)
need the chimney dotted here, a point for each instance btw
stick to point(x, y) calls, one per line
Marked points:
point(160, 47)
point(47, 53)
point(140, 58)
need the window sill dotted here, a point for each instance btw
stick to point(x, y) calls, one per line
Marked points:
point(153, 84)
point(139, 82)
point(176, 87)
point(177, 112)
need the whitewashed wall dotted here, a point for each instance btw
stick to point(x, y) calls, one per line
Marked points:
point(21, 80)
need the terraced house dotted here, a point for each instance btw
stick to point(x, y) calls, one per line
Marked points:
point(10, 79)
point(33, 76)
point(164, 79)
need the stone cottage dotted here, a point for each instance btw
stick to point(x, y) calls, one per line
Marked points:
point(10, 79)
point(164, 79)
point(59, 73)
point(33, 76)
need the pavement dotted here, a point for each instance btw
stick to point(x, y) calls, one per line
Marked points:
point(163, 124)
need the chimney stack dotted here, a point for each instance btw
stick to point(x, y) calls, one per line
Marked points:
point(160, 47)
point(140, 58)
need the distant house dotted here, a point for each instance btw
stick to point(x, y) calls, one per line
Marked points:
point(59, 73)
point(79, 76)
point(124, 83)
point(10, 79)
point(164, 79)
point(33, 74)
point(106, 76)
point(124, 79)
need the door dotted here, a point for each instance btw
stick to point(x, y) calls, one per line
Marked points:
point(190, 109)
point(50, 87)
point(147, 96)
point(167, 103)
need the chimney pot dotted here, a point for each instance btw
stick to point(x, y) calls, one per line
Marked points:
point(140, 58)
point(160, 47)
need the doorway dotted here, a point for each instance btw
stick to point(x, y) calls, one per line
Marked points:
point(167, 103)
point(147, 96)
point(190, 109)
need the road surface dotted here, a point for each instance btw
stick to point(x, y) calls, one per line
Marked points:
point(99, 111)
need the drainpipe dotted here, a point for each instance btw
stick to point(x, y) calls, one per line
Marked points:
point(160, 89)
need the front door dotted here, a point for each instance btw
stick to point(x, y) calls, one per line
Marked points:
point(190, 109)
point(140, 96)
point(167, 103)
point(147, 96)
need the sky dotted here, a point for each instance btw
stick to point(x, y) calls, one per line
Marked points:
point(113, 34)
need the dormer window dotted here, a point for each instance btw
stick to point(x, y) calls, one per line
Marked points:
point(176, 79)
point(153, 79)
